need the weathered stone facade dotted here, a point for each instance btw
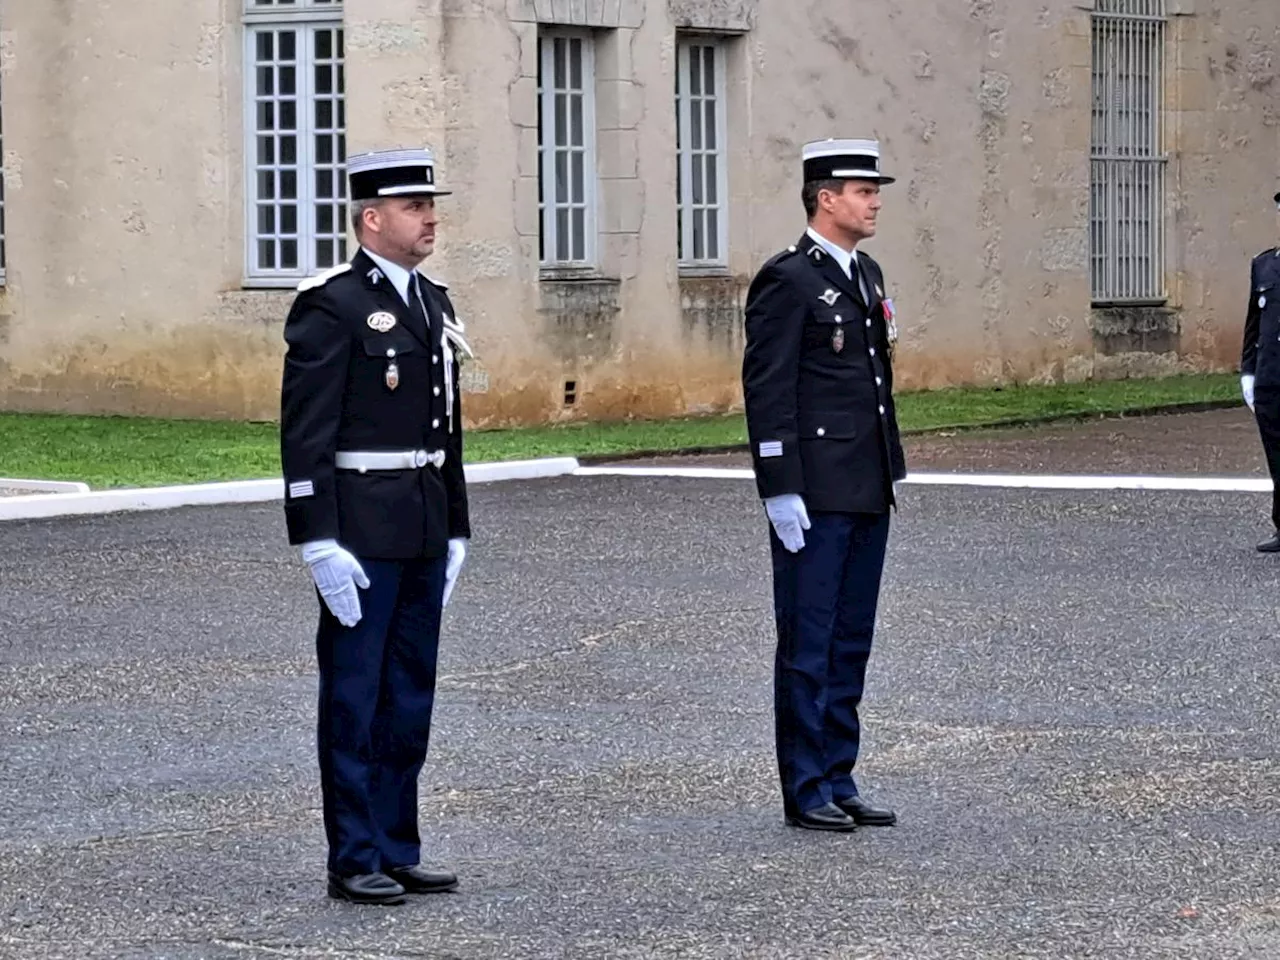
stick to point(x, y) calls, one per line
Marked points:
point(126, 209)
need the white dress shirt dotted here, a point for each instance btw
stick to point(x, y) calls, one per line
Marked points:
point(397, 274)
point(846, 259)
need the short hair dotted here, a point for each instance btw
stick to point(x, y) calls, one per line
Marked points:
point(809, 194)
point(358, 207)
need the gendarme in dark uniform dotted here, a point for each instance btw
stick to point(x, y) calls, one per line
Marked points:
point(1260, 368)
point(371, 443)
point(818, 383)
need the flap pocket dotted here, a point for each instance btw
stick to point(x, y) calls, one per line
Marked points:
point(385, 346)
point(841, 312)
point(833, 425)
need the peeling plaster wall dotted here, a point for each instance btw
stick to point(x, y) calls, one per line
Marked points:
point(123, 213)
point(1226, 168)
point(982, 110)
point(125, 202)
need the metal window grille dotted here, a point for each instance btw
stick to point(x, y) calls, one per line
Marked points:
point(700, 140)
point(1127, 180)
point(566, 148)
point(295, 140)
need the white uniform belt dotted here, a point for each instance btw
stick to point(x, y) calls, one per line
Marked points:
point(387, 460)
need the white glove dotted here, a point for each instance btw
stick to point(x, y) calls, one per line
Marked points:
point(457, 554)
point(789, 518)
point(1246, 388)
point(337, 574)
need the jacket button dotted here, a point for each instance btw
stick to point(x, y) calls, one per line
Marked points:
point(879, 382)
point(839, 319)
point(868, 321)
point(435, 391)
point(882, 409)
point(391, 352)
point(435, 358)
point(873, 351)
point(822, 432)
point(435, 423)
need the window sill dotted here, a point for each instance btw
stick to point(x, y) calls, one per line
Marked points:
point(1162, 304)
point(698, 271)
point(570, 274)
point(271, 283)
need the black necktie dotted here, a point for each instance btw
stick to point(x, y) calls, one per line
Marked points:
point(418, 307)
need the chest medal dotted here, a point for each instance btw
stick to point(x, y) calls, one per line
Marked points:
point(837, 339)
point(890, 323)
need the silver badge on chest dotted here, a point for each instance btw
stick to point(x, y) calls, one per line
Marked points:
point(391, 376)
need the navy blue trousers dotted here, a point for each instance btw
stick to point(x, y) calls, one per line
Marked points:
point(377, 689)
point(825, 600)
point(1267, 412)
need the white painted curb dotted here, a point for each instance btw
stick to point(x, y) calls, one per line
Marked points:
point(1071, 482)
point(694, 473)
point(30, 487)
point(1007, 481)
point(41, 506)
point(520, 469)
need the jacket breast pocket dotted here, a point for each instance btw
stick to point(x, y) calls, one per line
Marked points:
point(827, 327)
point(829, 425)
point(388, 348)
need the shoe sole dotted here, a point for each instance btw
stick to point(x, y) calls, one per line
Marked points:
point(427, 891)
point(337, 893)
point(877, 823)
point(833, 828)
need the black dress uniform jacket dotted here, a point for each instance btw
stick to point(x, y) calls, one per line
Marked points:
point(818, 383)
point(337, 396)
point(1261, 354)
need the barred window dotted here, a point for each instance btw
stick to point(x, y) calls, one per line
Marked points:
point(700, 152)
point(295, 138)
point(566, 148)
point(1126, 210)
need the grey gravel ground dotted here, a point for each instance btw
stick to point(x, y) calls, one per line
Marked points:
point(1073, 705)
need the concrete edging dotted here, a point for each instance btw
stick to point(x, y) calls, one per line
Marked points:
point(28, 488)
point(44, 506)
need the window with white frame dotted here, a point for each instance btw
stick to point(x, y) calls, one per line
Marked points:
point(566, 148)
point(702, 171)
point(295, 138)
point(1127, 180)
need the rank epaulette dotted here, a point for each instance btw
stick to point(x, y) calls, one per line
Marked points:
point(779, 257)
point(321, 279)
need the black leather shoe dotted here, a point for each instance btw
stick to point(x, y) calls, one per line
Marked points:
point(865, 815)
point(417, 879)
point(1270, 546)
point(826, 817)
point(366, 888)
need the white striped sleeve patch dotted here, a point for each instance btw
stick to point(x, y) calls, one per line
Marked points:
point(301, 488)
point(770, 448)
